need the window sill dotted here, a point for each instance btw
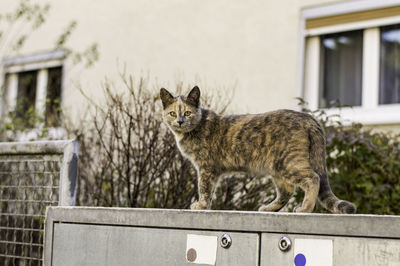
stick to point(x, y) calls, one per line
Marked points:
point(381, 115)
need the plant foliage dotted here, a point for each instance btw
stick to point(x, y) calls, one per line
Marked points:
point(363, 164)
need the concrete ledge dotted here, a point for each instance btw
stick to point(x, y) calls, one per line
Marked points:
point(35, 147)
point(380, 226)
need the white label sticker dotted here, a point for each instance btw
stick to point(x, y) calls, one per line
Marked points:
point(313, 252)
point(201, 249)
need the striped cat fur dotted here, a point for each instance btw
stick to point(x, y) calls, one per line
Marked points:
point(288, 145)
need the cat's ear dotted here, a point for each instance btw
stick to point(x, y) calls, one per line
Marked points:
point(166, 97)
point(194, 96)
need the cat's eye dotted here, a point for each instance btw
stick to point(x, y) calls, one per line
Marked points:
point(187, 113)
point(173, 114)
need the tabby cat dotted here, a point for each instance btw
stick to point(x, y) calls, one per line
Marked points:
point(288, 145)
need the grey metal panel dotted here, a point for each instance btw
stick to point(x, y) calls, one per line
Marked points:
point(377, 231)
point(346, 250)
point(78, 244)
point(317, 224)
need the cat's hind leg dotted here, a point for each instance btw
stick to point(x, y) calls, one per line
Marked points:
point(284, 192)
point(309, 183)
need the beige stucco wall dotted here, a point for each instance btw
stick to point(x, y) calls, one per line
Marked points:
point(251, 46)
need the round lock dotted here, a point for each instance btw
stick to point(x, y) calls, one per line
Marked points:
point(226, 241)
point(285, 244)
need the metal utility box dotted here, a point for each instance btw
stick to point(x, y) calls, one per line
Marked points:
point(122, 236)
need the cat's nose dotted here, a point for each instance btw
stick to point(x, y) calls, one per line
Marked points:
point(180, 122)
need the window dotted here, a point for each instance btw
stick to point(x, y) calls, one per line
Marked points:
point(389, 87)
point(341, 68)
point(34, 88)
point(26, 96)
point(53, 99)
point(352, 55)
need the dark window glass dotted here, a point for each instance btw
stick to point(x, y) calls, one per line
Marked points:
point(26, 96)
point(389, 87)
point(341, 68)
point(53, 99)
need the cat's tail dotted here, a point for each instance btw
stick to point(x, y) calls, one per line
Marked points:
point(329, 201)
point(317, 158)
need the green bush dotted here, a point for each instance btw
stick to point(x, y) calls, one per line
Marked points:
point(363, 165)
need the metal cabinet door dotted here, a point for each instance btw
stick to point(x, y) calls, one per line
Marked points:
point(81, 244)
point(329, 251)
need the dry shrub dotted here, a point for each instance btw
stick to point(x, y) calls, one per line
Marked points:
point(129, 158)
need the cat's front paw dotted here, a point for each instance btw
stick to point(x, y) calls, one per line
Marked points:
point(198, 205)
point(267, 208)
point(264, 208)
point(272, 207)
point(301, 209)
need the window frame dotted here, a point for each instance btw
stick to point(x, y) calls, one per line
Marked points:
point(370, 111)
point(325, 74)
point(40, 62)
